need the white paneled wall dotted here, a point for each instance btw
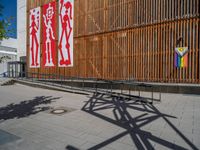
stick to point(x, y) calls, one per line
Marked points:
point(21, 28)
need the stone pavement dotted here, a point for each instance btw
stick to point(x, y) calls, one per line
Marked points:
point(96, 122)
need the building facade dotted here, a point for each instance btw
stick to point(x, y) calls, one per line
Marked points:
point(21, 28)
point(8, 48)
point(130, 39)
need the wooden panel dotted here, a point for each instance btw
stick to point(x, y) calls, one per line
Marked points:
point(132, 39)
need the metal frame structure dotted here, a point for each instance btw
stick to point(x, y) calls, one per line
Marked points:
point(114, 88)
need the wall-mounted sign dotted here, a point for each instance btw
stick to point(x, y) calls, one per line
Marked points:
point(65, 45)
point(34, 28)
point(49, 31)
point(181, 57)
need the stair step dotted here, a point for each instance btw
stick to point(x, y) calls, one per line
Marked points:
point(6, 81)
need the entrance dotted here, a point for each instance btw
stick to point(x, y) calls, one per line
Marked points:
point(16, 69)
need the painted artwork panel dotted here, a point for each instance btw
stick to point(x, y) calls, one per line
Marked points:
point(49, 33)
point(65, 44)
point(34, 37)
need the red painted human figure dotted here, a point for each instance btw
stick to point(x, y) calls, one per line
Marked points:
point(34, 28)
point(66, 31)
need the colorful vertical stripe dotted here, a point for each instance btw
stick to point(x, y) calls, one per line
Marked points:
point(186, 60)
point(181, 61)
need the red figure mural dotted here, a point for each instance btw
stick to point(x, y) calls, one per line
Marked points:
point(49, 30)
point(66, 33)
point(34, 38)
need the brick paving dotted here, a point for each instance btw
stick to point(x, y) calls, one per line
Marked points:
point(96, 122)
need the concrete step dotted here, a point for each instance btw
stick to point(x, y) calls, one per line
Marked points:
point(6, 81)
point(89, 86)
point(182, 88)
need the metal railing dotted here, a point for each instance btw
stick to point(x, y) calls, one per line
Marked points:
point(119, 88)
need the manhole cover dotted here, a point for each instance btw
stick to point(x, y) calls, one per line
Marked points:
point(60, 110)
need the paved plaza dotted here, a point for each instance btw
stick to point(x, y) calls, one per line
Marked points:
point(96, 121)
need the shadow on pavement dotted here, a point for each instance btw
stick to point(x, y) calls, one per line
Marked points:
point(121, 108)
point(26, 108)
point(69, 147)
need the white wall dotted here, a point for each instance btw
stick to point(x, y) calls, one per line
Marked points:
point(3, 66)
point(8, 47)
point(21, 28)
point(12, 43)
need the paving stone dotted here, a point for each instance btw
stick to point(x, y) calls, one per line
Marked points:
point(6, 137)
point(179, 141)
point(163, 147)
point(196, 142)
point(44, 131)
point(90, 145)
point(121, 146)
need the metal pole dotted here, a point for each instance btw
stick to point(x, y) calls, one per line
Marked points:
point(32, 76)
point(71, 83)
point(107, 87)
point(121, 85)
point(61, 80)
point(96, 87)
point(160, 94)
point(139, 91)
point(83, 85)
point(152, 94)
point(129, 92)
point(111, 87)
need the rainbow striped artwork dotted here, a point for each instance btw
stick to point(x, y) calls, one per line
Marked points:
point(181, 57)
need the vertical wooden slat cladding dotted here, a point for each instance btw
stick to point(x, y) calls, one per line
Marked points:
point(131, 39)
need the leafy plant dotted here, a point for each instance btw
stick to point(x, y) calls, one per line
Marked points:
point(5, 24)
point(4, 58)
point(4, 31)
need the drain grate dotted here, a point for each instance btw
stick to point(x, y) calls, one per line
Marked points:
point(58, 111)
point(61, 110)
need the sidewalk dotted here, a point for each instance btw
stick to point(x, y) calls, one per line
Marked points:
point(95, 121)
